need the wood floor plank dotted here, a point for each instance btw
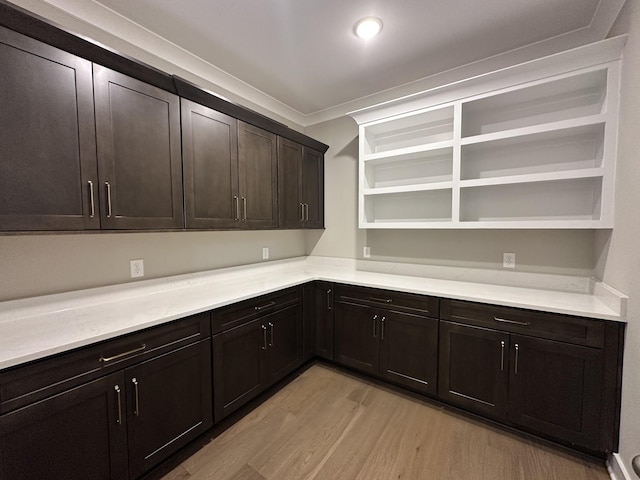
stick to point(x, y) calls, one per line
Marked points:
point(327, 425)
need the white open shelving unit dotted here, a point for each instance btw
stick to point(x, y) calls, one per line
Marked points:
point(532, 146)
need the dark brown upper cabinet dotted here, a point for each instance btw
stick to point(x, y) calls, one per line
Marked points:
point(48, 175)
point(257, 177)
point(301, 189)
point(210, 162)
point(139, 153)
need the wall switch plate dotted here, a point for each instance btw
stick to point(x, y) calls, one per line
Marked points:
point(509, 260)
point(137, 268)
point(265, 253)
point(366, 252)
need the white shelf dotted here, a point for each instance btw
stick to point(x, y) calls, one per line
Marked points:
point(537, 154)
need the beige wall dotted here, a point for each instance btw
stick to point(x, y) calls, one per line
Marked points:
point(42, 264)
point(618, 251)
point(549, 251)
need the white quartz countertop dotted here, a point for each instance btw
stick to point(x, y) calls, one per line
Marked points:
point(35, 328)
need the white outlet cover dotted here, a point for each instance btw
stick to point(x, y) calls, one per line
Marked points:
point(366, 252)
point(137, 268)
point(509, 260)
point(265, 253)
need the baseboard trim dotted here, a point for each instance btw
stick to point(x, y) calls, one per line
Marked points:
point(616, 468)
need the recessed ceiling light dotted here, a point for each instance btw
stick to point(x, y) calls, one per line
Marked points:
point(368, 27)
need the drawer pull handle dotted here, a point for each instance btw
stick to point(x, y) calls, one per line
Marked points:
point(382, 327)
point(271, 329)
point(264, 337)
point(512, 322)
point(124, 354)
point(502, 356)
point(517, 349)
point(119, 420)
point(266, 305)
point(92, 201)
point(329, 299)
point(383, 300)
point(136, 410)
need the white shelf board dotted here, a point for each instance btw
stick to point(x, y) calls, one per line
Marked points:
point(497, 225)
point(422, 187)
point(543, 128)
point(535, 177)
point(400, 152)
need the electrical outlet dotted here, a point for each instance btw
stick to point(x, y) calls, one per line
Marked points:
point(265, 253)
point(366, 252)
point(137, 268)
point(509, 260)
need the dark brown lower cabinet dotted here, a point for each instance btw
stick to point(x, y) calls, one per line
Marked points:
point(250, 357)
point(76, 435)
point(168, 404)
point(323, 308)
point(400, 347)
point(116, 427)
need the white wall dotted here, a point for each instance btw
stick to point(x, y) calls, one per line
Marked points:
point(618, 251)
point(550, 251)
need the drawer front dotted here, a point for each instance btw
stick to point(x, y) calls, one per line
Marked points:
point(23, 385)
point(402, 302)
point(242, 312)
point(564, 328)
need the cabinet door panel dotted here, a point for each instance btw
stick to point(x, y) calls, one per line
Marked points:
point(210, 156)
point(473, 368)
point(284, 341)
point(324, 307)
point(73, 435)
point(238, 367)
point(356, 337)
point(409, 350)
point(313, 187)
point(139, 153)
point(556, 389)
point(47, 138)
point(258, 176)
point(290, 184)
point(168, 404)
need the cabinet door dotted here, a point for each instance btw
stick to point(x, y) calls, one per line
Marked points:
point(239, 369)
point(284, 342)
point(168, 404)
point(290, 209)
point(409, 350)
point(258, 176)
point(76, 435)
point(356, 337)
point(324, 319)
point(555, 388)
point(139, 153)
point(313, 188)
point(210, 157)
point(309, 321)
point(473, 368)
point(47, 138)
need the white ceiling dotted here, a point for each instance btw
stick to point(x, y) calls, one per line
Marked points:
point(300, 58)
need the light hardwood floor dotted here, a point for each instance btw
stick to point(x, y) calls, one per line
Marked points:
point(327, 425)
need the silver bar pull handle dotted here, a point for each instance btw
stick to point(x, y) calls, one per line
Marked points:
point(502, 356)
point(302, 212)
point(512, 322)
point(306, 212)
point(119, 420)
point(92, 203)
point(264, 337)
point(262, 307)
point(123, 354)
point(329, 299)
point(108, 185)
point(237, 215)
point(271, 343)
point(375, 329)
point(383, 300)
point(244, 208)
point(382, 328)
point(516, 367)
point(136, 409)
